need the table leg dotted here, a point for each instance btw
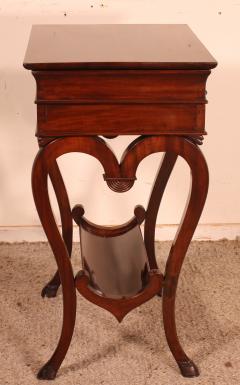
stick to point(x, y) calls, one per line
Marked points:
point(120, 178)
point(160, 183)
point(44, 165)
point(177, 253)
point(50, 290)
point(188, 149)
point(41, 197)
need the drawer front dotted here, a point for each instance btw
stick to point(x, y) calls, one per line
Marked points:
point(110, 119)
point(121, 86)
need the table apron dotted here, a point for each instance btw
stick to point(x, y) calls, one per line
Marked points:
point(122, 85)
point(120, 119)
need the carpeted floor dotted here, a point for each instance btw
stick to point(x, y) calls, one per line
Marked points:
point(134, 352)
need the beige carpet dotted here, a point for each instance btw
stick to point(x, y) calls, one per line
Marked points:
point(134, 352)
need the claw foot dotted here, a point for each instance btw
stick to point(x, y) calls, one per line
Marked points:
point(188, 368)
point(50, 290)
point(47, 372)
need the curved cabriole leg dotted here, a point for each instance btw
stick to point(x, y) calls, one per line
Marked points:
point(43, 164)
point(94, 146)
point(179, 248)
point(188, 149)
point(120, 178)
point(50, 290)
point(160, 183)
point(41, 197)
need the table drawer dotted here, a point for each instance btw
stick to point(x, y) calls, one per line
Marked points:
point(112, 119)
point(104, 86)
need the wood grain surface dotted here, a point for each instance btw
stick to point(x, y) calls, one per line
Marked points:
point(164, 46)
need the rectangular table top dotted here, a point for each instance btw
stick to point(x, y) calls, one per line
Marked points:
point(116, 46)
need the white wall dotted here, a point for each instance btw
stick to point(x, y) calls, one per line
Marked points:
point(216, 23)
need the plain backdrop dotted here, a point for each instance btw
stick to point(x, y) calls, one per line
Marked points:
point(216, 23)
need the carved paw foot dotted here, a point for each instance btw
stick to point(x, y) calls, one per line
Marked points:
point(188, 368)
point(47, 372)
point(50, 290)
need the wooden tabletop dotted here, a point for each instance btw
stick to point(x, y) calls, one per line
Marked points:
point(112, 46)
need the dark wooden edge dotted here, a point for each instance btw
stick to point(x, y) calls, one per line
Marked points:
point(120, 66)
point(66, 134)
point(119, 307)
point(117, 102)
point(107, 231)
point(43, 140)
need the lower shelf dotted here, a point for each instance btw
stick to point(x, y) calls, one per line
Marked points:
point(122, 306)
point(116, 273)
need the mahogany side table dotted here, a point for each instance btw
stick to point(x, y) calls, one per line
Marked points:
point(96, 81)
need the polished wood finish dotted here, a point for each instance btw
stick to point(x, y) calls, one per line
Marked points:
point(114, 257)
point(107, 231)
point(50, 290)
point(121, 86)
point(79, 92)
point(103, 102)
point(110, 80)
point(159, 185)
point(119, 307)
point(137, 46)
point(125, 119)
point(41, 197)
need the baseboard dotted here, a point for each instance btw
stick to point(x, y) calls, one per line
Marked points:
point(204, 232)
